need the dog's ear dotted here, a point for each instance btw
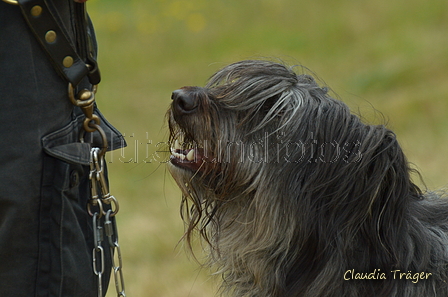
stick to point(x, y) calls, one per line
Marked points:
point(390, 191)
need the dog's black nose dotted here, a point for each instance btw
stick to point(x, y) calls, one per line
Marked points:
point(184, 101)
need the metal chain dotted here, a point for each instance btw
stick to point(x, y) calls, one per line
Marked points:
point(99, 185)
point(100, 199)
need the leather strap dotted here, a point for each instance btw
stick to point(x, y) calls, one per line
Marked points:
point(55, 41)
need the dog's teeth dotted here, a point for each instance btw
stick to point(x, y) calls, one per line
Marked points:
point(177, 145)
point(190, 155)
point(179, 156)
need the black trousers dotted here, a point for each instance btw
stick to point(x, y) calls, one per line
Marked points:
point(46, 237)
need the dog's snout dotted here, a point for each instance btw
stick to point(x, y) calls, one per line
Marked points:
point(184, 101)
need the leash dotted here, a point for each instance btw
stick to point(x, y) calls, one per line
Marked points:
point(74, 63)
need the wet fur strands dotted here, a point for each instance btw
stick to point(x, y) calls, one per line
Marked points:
point(295, 196)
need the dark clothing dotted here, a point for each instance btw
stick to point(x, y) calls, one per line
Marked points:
point(46, 237)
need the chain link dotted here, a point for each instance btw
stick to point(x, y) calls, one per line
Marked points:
point(98, 252)
point(112, 235)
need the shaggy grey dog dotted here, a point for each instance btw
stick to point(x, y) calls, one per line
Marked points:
point(295, 196)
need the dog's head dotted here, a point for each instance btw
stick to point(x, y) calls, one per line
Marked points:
point(255, 117)
point(260, 136)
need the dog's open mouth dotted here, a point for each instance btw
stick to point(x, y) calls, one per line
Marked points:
point(188, 158)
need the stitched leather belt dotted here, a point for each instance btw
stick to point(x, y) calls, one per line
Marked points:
point(54, 39)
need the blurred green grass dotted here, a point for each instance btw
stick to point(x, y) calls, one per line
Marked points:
point(392, 55)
